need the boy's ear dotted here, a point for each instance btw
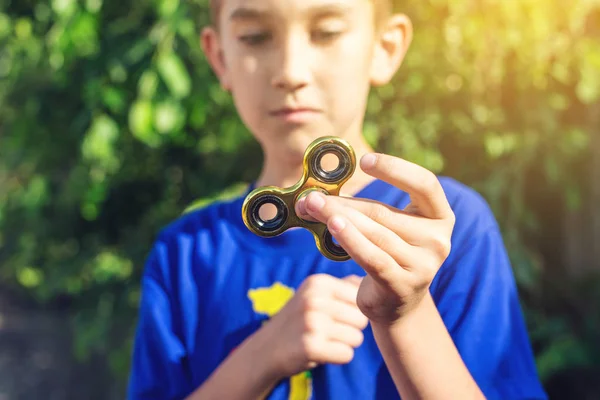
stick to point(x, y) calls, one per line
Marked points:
point(211, 45)
point(391, 46)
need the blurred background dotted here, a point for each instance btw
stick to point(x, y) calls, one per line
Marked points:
point(111, 124)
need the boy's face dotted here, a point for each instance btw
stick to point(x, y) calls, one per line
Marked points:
point(301, 69)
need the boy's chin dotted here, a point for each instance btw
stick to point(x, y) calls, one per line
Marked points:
point(296, 143)
point(305, 135)
point(292, 143)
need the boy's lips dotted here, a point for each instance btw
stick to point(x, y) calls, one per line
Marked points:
point(295, 114)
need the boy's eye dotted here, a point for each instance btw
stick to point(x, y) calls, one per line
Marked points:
point(254, 39)
point(325, 35)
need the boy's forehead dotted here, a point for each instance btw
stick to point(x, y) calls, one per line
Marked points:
point(240, 8)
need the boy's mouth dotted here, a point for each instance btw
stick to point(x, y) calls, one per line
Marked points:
point(295, 114)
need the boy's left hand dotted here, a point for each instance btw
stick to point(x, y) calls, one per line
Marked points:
point(401, 250)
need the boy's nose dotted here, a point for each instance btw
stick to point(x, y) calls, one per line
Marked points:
point(292, 71)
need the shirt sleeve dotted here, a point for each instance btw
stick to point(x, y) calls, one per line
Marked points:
point(477, 297)
point(158, 360)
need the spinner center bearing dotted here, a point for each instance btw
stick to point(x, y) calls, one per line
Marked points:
point(314, 177)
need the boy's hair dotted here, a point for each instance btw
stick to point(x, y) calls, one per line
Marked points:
point(383, 9)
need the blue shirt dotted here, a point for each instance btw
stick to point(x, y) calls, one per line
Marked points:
point(209, 283)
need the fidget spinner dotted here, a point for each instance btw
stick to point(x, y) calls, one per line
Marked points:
point(314, 177)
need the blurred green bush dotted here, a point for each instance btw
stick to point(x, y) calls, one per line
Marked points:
point(111, 124)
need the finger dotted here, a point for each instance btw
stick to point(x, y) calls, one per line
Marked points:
point(414, 229)
point(319, 286)
point(347, 314)
point(345, 334)
point(300, 208)
point(424, 188)
point(391, 243)
point(324, 351)
point(415, 263)
point(417, 232)
point(376, 262)
point(346, 291)
point(403, 253)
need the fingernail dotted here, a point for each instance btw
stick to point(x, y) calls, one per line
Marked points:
point(315, 202)
point(368, 161)
point(336, 224)
point(301, 206)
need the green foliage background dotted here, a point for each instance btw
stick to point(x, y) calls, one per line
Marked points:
point(111, 124)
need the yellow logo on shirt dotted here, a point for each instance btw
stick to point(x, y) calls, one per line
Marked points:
point(269, 301)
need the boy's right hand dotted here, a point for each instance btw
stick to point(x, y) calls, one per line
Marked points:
point(320, 324)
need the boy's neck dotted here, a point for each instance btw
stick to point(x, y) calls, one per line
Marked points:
point(280, 173)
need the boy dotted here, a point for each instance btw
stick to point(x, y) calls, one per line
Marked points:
point(226, 314)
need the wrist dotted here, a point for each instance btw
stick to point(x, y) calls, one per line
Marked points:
point(260, 348)
point(249, 372)
point(412, 316)
point(417, 349)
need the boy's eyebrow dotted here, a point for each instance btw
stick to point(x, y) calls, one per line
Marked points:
point(244, 13)
point(331, 9)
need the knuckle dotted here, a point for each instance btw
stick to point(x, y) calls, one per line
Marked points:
point(374, 264)
point(348, 355)
point(310, 321)
point(320, 280)
point(428, 277)
point(428, 183)
point(362, 320)
point(365, 323)
point(305, 305)
point(382, 241)
point(429, 271)
point(451, 219)
point(309, 347)
point(313, 282)
point(421, 281)
point(379, 240)
point(441, 246)
point(382, 162)
point(358, 339)
point(379, 213)
point(312, 303)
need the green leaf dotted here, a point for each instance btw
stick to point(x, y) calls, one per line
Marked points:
point(114, 98)
point(563, 353)
point(93, 6)
point(5, 25)
point(174, 74)
point(36, 194)
point(169, 116)
point(108, 266)
point(83, 33)
point(99, 143)
point(30, 277)
point(167, 7)
point(147, 84)
point(141, 115)
point(23, 28)
point(64, 8)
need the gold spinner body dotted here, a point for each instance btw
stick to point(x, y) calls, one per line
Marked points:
point(314, 177)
